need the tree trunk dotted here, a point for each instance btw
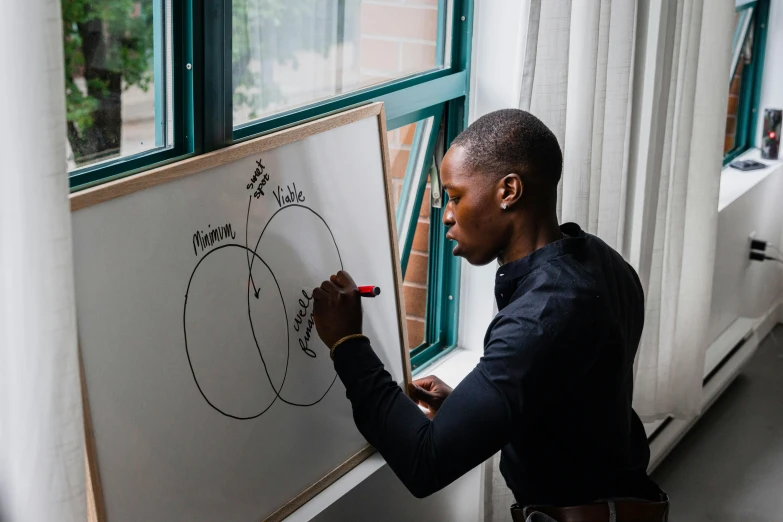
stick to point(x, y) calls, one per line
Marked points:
point(103, 138)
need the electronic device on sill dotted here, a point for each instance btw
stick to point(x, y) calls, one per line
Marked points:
point(747, 165)
point(770, 140)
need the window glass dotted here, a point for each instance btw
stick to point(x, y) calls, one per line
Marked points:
point(742, 55)
point(114, 80)
point(286, 54)
point(733, 109)
point(415, 281)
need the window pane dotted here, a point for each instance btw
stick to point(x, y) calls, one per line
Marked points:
point(741, 57)
point(113, 78)
point(415, 282)
point(287, 53)
point(731, 117)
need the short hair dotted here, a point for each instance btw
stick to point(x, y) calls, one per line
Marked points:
point(512, 140)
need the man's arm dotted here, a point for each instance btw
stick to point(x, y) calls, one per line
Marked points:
point(474, 422)
point(427, 455)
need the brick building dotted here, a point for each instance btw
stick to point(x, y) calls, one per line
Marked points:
point(399, 38)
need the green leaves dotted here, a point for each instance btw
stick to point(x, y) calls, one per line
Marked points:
point(101, 39)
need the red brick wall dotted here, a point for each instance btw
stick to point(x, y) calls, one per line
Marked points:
point(399, 38)
point(731, 118)
point(415, 283)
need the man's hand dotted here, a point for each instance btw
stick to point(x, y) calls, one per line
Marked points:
point(338, 309)
point(429, 392)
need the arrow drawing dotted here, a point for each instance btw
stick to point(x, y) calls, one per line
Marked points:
point(247, 250)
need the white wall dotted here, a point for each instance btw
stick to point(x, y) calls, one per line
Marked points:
point(741, 287)
point(499, 30)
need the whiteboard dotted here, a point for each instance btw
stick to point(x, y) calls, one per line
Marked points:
point(208, 393)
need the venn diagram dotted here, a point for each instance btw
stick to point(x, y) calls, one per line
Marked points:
point(249, 337)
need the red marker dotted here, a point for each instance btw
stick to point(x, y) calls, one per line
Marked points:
point(369, 291)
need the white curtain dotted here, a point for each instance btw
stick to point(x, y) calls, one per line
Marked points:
point(42, 475)
point(576, 77)
point(670, 363)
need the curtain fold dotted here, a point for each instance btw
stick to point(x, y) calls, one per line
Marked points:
point(577, 78)
point(42, 473)
point(670, 363)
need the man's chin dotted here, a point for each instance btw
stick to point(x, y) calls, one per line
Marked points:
point(472, 258)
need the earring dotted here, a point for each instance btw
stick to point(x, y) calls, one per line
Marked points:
point(503, 206)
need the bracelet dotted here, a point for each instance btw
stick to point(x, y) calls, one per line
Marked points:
point(341, 341)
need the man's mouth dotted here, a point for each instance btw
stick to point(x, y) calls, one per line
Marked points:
point(454, 251)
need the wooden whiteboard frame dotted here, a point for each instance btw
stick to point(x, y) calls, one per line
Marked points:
point(145, 180)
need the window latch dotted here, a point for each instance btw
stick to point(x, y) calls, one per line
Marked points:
point(436, 192)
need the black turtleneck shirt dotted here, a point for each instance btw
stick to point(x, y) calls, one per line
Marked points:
point(552, 392)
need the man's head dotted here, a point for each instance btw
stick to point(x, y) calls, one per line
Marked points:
point(501, 175)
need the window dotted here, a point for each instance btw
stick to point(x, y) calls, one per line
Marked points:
point(745, 76)
point(116, 65)
point(287, 54)
point(149, 82)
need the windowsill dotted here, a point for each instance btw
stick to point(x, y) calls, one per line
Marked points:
point(451, 368)
point(734, 183)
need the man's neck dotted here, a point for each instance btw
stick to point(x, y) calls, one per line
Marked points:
point(528, 239)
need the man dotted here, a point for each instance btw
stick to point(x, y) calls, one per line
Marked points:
point(553, 389)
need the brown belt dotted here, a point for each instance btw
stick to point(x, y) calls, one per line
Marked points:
point(624, 511)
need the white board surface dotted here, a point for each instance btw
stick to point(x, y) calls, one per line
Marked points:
point(206, 402)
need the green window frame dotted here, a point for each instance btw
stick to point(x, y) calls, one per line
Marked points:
point(753, 16)
point(203, 121)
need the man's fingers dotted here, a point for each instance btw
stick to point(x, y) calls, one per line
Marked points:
point(329, 287)
point(319, 294)
point(425, 383)
point(344, 279)
point(419, 394)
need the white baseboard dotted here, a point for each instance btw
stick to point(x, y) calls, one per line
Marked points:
point(673, 430)
point(767, 322)
point(724, 364)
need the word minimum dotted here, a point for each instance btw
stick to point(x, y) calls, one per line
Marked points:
point(203, 240)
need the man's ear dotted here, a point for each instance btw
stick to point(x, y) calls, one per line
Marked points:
point(510, 189)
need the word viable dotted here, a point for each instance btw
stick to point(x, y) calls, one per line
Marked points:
point(287, 198)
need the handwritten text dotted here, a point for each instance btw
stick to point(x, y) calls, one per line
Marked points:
point(304, 304)
point(291, 196)
point(260, 177)
point(203, 240)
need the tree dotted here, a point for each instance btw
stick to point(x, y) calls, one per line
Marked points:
point(108, 47)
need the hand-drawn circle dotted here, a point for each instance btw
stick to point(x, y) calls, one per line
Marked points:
point(224, 392)
point(279, 252)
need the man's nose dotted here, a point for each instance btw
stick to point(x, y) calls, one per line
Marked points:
point(448, 215)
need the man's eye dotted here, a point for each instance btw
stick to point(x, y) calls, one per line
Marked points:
point(454, 200)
